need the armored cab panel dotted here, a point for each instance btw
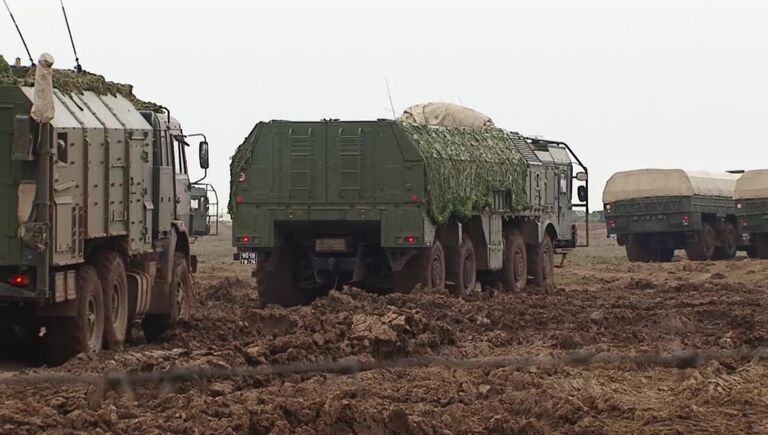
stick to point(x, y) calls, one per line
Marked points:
point(104, 145)
point(135, 165)
point(101, 174)
point(68, 184)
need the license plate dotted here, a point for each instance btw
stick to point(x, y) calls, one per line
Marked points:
point(331, 245)
point(248, 257)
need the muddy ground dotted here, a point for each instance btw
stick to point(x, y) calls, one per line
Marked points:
point(603, 304)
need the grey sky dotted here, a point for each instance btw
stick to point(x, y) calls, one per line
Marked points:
point(627, 84)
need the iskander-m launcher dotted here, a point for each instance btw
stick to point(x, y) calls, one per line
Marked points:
point(653, 212)
point(394, 205)
point(752, 210)
point(94, 229)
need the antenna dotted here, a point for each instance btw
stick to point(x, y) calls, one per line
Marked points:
point(19, 31)
point(78, 67)
point(389, 94)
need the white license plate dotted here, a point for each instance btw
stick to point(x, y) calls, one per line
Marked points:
point(248, 257)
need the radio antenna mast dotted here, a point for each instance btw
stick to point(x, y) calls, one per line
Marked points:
point(78, 67)
point(31, 61)
point(391, 105)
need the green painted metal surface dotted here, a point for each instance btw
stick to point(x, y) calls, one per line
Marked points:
point(403, 177)
point(12, 102)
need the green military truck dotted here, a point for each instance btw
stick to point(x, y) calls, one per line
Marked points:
point(389, 205)
point(752, 206)
point(94, 233)
point(653, 212)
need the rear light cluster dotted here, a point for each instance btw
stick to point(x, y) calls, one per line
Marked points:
point(19, 280)
point(411, 240)
point(685, 220)
point(611, 223)
point(744, 223)
point(238, 200)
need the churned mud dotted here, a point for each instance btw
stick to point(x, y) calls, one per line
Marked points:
point(604, 304)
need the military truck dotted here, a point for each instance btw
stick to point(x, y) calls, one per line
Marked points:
point(653, 212)
point(94, 234)
point(391, 205)
point(752, 206)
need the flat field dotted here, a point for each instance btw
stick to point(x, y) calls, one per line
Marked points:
point(604, 305)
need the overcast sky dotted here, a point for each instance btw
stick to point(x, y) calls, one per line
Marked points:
point(627, 84)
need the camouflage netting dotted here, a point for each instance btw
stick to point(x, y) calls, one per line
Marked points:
point(68, 82)
point(465, 165)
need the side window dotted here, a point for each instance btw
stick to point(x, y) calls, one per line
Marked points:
point(62, 147)
point(181, 157)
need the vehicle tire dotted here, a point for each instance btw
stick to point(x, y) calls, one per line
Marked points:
point(66, 337)
point(180, 302)
point(638, 250)
point(704, 247)
point(278, 286)
point(729, 243)
point(761, 246)
point(514, 270)
point(114, 283)
point(664, 255)
point(541, 262)
point(426, 268)
point(462, 268)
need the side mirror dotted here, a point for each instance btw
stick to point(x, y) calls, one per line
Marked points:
point(204, 155)
point(582, 193)
point(582, 176)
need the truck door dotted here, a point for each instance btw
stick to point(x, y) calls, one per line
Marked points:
point(183, 201)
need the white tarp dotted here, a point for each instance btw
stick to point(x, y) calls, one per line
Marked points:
point(753, 185)
point(445, 115)
point(650, 183)
point(42, 104)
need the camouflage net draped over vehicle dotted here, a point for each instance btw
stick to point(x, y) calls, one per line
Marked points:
point(69, 82)
point(465, 165)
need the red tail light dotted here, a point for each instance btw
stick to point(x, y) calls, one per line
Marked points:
point(245, 239)
point(19, 280)
point(238, 200)
point(411, 240)
point(685, 220)
point(611, 223)
point(414, 198)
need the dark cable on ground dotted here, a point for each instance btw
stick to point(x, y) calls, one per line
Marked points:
point(124, 381)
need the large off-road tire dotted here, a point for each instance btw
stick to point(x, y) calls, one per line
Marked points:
point(541, 264)
point(514, 270)
point(761, 246)
point(180, 296)
point(66, 337)
point(729, 243)
point(638, 250)
point(703, 249)
point(426, 268)
point(461, 268)
point(278, 286)
point(114, 284)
